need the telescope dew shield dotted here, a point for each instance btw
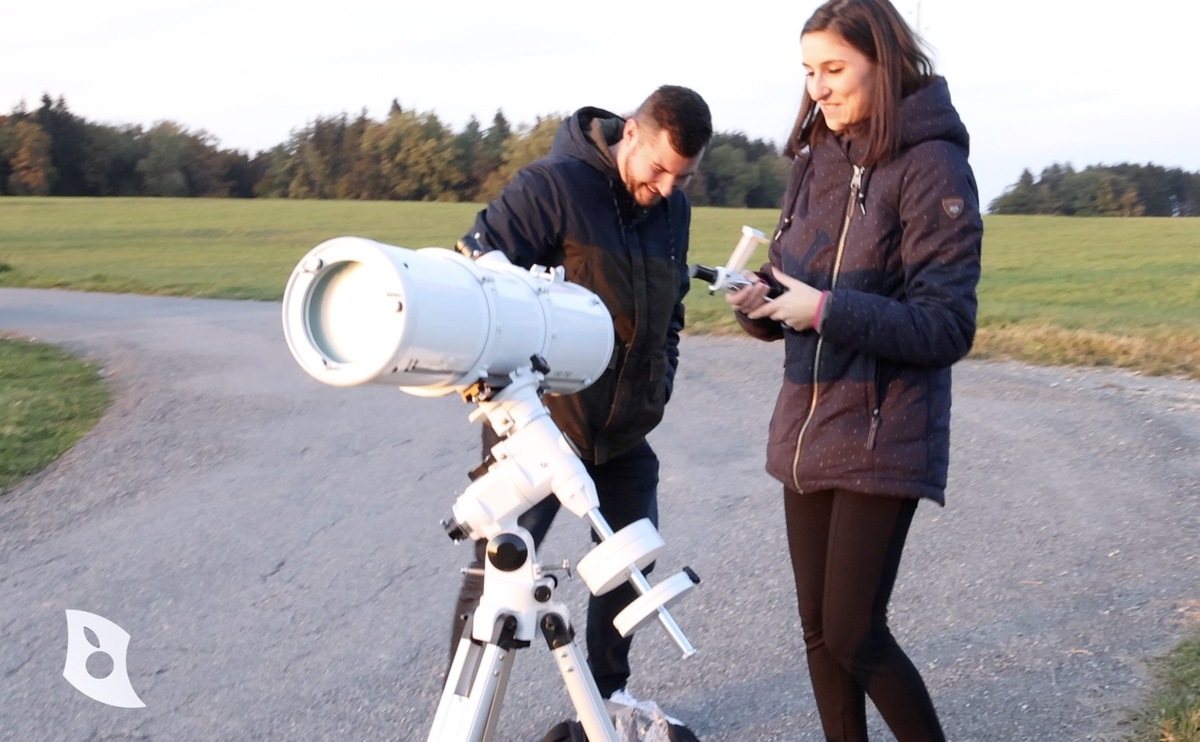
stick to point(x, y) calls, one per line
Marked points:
point(432, 321)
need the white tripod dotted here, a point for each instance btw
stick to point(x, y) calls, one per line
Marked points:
point(532, 461)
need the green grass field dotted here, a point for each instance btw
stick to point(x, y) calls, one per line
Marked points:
point(1114, 292)
point(1058, 290)
point(48, 400)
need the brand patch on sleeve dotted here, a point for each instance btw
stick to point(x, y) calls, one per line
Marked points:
point(953, 207)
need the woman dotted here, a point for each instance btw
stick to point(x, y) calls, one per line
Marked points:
point(878, 251)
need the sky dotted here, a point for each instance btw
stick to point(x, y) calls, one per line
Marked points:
point(1037, 82)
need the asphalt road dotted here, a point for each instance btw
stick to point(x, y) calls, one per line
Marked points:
point(273, 546)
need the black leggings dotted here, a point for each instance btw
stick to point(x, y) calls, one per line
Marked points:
point(845, 550)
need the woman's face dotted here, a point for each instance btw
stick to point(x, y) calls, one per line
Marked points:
point(840, 78)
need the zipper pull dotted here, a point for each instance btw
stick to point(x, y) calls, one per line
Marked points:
point(787, 222)
point(874, 429)
point(860, 196)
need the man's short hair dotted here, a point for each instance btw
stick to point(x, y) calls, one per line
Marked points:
point(684, 115)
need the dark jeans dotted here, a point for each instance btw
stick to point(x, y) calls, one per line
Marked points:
point(628, 490)
point(845, 550)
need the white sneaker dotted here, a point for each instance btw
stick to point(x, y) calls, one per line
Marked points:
point(623, 699)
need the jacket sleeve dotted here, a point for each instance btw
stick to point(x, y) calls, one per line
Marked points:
point(524, 221)
point(933, 322)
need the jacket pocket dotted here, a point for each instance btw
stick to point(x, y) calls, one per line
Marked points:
point(874, 387)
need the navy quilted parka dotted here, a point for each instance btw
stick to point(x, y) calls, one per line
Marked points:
point(865, 401)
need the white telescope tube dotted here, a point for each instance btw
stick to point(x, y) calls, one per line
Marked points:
point(432, 321)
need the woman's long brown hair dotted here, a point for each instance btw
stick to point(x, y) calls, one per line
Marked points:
point(877, 30)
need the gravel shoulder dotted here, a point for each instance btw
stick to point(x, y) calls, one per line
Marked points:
point(272, 545)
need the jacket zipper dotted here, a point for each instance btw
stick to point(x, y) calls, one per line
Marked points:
point(636, 321)
point(633, 340)
point(855, 192)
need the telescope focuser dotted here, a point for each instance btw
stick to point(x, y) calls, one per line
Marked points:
point(728, 277)
point(721, 279)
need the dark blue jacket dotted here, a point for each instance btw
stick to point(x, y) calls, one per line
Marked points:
point(572, 209)
point(865, 403)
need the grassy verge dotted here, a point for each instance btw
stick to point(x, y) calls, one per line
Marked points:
point(1154, 351)
point(1172, 714)
point(48, 400)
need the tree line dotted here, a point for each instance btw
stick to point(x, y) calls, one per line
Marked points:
point(409, 156)
point(1099, 190)
point(413, 156)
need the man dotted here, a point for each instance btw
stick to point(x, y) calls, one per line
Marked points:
point(606, 205)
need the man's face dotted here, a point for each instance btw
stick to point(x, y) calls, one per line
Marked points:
point(650, 167)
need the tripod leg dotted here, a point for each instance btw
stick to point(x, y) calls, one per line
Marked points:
point(581, 686)
point(474, 690)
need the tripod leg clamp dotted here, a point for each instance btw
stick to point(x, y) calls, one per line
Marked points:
point(557, 631)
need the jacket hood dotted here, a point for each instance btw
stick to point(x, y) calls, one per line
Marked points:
point(925, 116)
point(586, 135)
point(928, 115)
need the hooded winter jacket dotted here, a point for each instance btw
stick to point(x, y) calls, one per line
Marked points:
point(572, 209)
point(865, 402)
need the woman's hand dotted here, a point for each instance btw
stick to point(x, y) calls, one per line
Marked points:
point(749, 297)
point(796, 307)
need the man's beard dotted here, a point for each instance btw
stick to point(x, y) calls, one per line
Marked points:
point(640, 191)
